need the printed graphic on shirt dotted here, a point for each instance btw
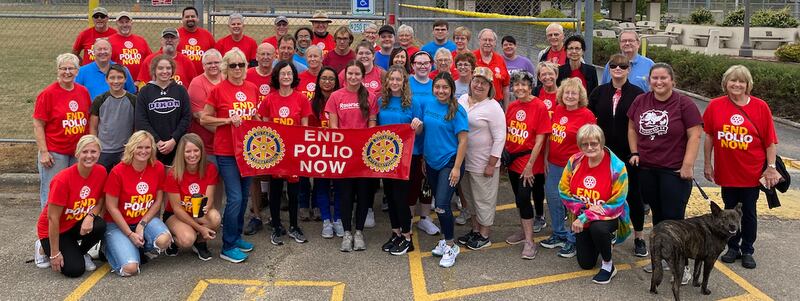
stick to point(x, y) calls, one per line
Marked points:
point(74, 123)
point(559, 130)
point(164, 105)
point(588, 194)
point(130, 55)
point(263, 90)
point(734, 135)
point(186, 202)
point(518, 129)
point(82, 207)
point(193, 51)
point(243, 108)
point(654, 122)
point(139, 204)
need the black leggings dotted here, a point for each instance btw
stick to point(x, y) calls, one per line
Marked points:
point(522, 194)
point(355, 190)
point(593, 240)
point(416, 179)
point(275, 191)
point(747, 235)
point(635, 198)
point(666, 193)
point(71, 250)
point(396, 192)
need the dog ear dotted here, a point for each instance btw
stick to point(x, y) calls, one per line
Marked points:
point(715, 210)
point(738, 209)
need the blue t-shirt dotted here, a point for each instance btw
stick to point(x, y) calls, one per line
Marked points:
point(432, 47)
point(639, 72)
point(420, 94)
point(441, 136)
point(395, 113)
point(91, 77)
point(381, 60)
point(300, 59)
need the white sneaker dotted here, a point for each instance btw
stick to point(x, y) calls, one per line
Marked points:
point(338, 228)
point(462, 218)
point(439, 249)
point(42, 260)
point(87, 261)
point(426, 225)
point(370, 222)
point(687, 275)
point(449, 257)
point(95, 251)
point(327, 229)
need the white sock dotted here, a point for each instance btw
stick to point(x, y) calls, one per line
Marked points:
point(607, 265)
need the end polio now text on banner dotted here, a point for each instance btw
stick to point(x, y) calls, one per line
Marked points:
point(265, 148)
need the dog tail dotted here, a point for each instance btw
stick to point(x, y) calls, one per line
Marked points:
point(655, 259)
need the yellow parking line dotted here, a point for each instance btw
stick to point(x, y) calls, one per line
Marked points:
point(306, 283)
point(250, 282)
point(742, 282)
point(87, 284)
point(338, 292)
point(198, 290)
point(415, 271)
point(746, 296)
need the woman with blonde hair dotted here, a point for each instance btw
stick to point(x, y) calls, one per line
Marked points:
point(546, 88)
point(133, 187)
point(191, 176)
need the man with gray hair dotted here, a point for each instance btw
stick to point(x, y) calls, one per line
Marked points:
point(555, 53)
point(487, 57)
point(238, 39)
point(371, 34)
point(640, 65)
point(184, 67)
point(93, 75)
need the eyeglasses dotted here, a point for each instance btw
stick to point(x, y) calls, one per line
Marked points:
point(240, 65)
point(627, 41)
point(422, 64)
point(463, 65)
point(621, 66)
point(590, 144)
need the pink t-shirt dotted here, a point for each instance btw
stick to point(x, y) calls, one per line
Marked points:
point(344, 104)
point(199, 90)
point(372, 80)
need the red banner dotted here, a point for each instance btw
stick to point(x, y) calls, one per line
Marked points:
point(266, 148)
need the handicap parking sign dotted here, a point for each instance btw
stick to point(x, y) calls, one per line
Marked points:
point(363, 7)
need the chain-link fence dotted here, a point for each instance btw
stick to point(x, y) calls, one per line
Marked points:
point(680, 9)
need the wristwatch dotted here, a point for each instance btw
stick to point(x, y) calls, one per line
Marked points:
point(773, 166)
point(143, 223)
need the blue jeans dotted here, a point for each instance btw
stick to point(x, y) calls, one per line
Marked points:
point(237, 189)
point(119, 249)
point(439, 180)
point(322, 196)
point(554, 204)
point(46, 174)
point(304, 195)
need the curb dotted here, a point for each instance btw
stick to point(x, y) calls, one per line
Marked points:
point(19, 179)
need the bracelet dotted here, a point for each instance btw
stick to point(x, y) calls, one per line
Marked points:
point(129, 234)
point(54, 257)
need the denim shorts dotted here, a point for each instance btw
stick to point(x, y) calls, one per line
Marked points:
point(120, 250)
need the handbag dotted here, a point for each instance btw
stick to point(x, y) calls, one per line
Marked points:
point(506, 158)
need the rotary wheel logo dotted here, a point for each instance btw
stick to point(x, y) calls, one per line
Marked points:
point(263, 148)
point(737, 119)
point(548, 104)
point(142, 187)
point(311, 87)
point(382, 151)
point(563, 120)
point(128, 44)
point(194, 188)
point(85, 191)
point(73, 105)
point(520, 115)
point(263, 89)
point(240, 96)
point(589, 182)
point(192, 41)
point(321, 45)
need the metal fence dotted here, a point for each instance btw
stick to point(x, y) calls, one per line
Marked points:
point(682, 8)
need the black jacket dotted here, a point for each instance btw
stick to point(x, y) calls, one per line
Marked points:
point(615, 126)
point(588, 71)
point(164, 113)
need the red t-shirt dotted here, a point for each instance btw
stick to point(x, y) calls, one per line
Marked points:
point(498, 67)
point(453, 73)
point(564, 133)
point(372, 80)
point(198, 91)
point(65, 115)
point(76, 194)
point(136, 190)
point(325, 44)
point(592, 185)
point(557, 57)
point(738, 144)
point(246, 45)
point(308, 84)
point(661, 127)
point(228, 99)
point(579, 75)
point(336, 61)
point(129, 51)
point(262, 82)
point(344, 104)
point(190, 184)
point(85, 41)
point(548, 99)
point(525, 120)
point(286, 110)
point(184, 69)
point(413, 49)
point(321, 122)
point(194, 44)
point(273, 40)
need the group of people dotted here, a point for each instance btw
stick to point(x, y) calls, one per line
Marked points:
point(596, 150)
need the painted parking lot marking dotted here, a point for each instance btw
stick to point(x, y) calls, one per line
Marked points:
point(256, 288)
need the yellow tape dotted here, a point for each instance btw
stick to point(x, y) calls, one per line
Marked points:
point(566, 25)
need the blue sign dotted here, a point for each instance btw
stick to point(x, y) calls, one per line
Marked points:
point(363, 7)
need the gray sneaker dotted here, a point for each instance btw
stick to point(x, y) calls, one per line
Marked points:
point(538, 224)
point(347, 242)
point(649, 268)
point(297, 234)
point(358, 241)
point(687, 275)
point(370, 221)
point(327, 229)
point(338, 228)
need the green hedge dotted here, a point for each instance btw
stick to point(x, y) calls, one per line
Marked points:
point(776, 83)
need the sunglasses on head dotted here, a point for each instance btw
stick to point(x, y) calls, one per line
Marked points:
point(240, 65)
point(621, 66)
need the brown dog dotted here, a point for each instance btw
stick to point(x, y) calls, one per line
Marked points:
point(702, 238)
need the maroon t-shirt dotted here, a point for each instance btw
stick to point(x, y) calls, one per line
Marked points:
point(661, 127)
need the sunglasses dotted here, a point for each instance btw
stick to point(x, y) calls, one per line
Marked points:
point(240, 65)
point(614, 66)
point(99, 16)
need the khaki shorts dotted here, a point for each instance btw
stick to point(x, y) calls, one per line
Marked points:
point(481, 194)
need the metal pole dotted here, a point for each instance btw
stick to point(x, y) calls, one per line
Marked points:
point(386, 11)
point(589, 35)
point(198, 4)
point(210, 22)
point(397, 12)
point(746, 50)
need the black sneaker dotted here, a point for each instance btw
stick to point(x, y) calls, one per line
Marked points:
point(464, 240)
point(479, 242)
point(603, 276)
point(731, 256)
point(275, 238)
point(402, 247)
point(389, 245)
point(172, 250)
point(640, 248)
point(748, 262)
point(201, 249)
point(253, 226)
point(297, 234)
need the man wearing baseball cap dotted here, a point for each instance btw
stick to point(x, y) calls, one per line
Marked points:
point(321, 38)
point(386, 36)
point(238, 39)
point(128, 49)
point(184, 68)
point(86, 38)
point(194, 40)
point(281, 28)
